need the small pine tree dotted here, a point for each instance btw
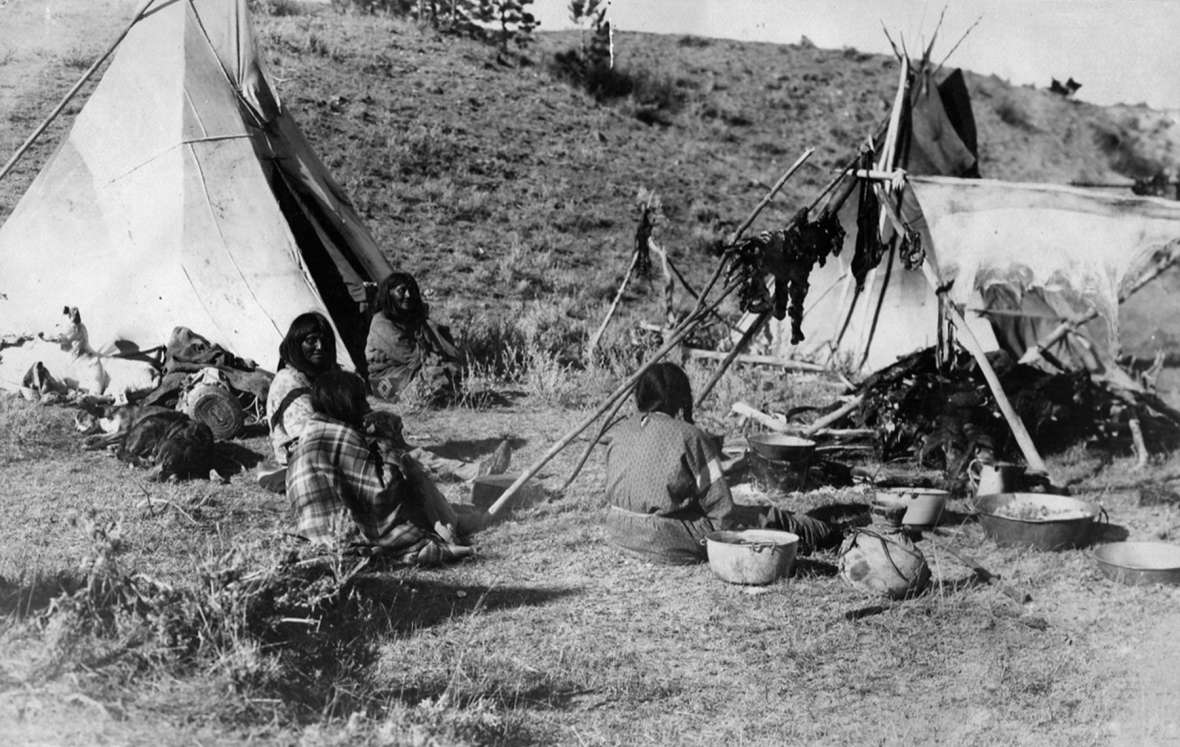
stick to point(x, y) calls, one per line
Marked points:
point(513, 18)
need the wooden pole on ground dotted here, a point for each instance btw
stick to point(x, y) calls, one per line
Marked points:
point(77, 86)
point(758, 360)
point(685, 328)
point(834, 416)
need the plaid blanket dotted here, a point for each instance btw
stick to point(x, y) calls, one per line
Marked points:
point(341, 490)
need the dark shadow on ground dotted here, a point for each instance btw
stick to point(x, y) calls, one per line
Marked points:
point(951, 518)
point(328, 654)
point(1106, 532)
point(469, 449)
point(18, 601)
point(231, 458)
point(813, 568)
point(489, 398)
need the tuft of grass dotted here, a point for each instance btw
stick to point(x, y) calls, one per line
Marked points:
point(279, 8)
point(30, 430)
point(77, 59)
point(1012, 112)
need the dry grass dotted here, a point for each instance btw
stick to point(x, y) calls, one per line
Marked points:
point(510, 193)
point(549, 636)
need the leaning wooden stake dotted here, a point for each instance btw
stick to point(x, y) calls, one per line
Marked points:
point(968, 340)
point(683, 331)
point(77, 86)
point(593, 344)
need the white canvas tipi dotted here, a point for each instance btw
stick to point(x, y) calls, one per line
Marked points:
point(185, 195)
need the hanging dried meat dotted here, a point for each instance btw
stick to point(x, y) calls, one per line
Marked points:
point(869, 249)
point(789, 255)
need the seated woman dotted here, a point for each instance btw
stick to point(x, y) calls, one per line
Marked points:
point(403, 344)
point(345, 488)
point(665, 484)
point(307, 350)
point(663, 474)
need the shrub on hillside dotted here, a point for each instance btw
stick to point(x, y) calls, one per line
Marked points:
point(1012, 112)
point(657, 98)
point(1124, 149)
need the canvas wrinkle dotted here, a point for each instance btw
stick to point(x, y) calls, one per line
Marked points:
point(231, 79)
point(225, 248)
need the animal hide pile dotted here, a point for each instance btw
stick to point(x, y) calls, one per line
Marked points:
point(944, 419)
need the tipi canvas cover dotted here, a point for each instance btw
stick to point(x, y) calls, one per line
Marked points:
point(1018, 258)
point(185, 195)
point(895, 312)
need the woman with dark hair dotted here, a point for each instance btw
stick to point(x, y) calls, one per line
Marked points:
point(403, 343)
point(663, 474)
point(307, 350)
point(665, 483)
point(344, 487)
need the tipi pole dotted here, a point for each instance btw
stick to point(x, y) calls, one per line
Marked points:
point(607, 422)
point(748, 221)
point(968, 340)
point(688, 326)
point(77, 86)
point(748, 335)
point(770, 195)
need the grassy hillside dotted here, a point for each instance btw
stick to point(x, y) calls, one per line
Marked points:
point(499, 184)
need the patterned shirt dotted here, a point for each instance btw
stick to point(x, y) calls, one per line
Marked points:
point(339, 488)
point(286, 429)
point(657, 464)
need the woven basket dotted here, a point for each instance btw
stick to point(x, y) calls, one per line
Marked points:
point(217, 408)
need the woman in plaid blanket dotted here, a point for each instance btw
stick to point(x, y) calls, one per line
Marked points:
point(345, 488)
point(307, 350)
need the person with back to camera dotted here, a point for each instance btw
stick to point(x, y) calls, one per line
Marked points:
point(404, 344)
point(663, 474)
point(665, 483)
point(307, 350)
point(347, 487)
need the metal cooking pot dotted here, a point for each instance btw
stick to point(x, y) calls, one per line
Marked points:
point(780, 447)
point(1028, 519)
